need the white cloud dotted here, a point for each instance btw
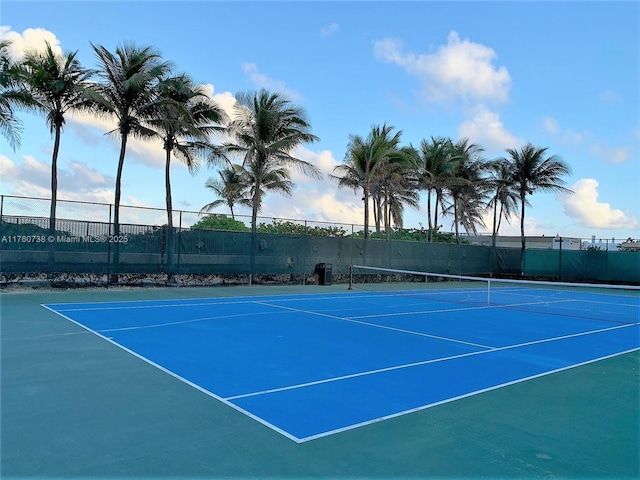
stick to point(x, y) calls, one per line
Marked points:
point(93, 131)
point(459, 70)
point(84, 193)
point(589, 212)
point(264, 81)
point(567, 136)
point(570, 138)
point(611, 155)
point(31, 39)
point(77, 181)
point(324, 160)
point(225, 100)
point(486, 128)
point(329, 30)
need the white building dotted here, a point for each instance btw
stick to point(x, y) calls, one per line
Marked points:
point(543, 242)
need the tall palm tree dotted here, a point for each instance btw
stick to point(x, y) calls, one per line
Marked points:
point(232, 188)
point(387, 173)
point(365, 160)
point(532, 171)
point(13, 94)
point(504, 201)
point(400, 186)
point(129, 92)
point(57, 85)
point(465, 186)
point(356, 173)
point(267, 129)
point(184, 122)
point(437, 167)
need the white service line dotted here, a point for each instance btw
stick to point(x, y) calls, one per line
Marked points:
point(369, 324)
point(425, 362)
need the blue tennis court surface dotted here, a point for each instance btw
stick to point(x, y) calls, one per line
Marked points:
point(312, 365)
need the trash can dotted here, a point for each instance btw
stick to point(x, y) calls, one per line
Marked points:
point(324, 273)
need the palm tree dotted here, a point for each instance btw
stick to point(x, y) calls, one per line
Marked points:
point(389, 168)
point(356, 173)
point(364, 162)
point(129, 92)
point(504, 201)
point(13, 94)
point(267, 128)
point(437, 167)
point(184, 122)
point(57, 85)
point(532, 171)
point(232, 188)
point(264, 179)
point(465, 185)
point(469, 210)
point(400, 186)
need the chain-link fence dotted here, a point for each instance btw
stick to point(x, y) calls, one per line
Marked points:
point(282, 250)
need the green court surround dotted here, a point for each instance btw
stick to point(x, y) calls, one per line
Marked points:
point(75, 406)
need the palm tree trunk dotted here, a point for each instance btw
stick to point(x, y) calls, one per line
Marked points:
point(495, 229)
point(376, 220)
point(378, 207)
point(429, 222)
point(116, 209)
point(169, 243)
point(254, 226)
point(366, 212)
point(522, 237)
point(455, 219)
point(435, 213)
point(54, 200)
point(387, 215)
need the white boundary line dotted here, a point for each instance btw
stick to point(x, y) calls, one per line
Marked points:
point(212, 300)
point(459, 397)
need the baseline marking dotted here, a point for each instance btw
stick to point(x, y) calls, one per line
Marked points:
point(459, 397)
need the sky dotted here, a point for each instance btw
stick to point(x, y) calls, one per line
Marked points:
point(560, 75)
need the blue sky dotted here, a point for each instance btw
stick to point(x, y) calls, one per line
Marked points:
point(562, 75)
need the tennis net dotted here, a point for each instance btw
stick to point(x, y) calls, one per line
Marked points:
point(613, 303)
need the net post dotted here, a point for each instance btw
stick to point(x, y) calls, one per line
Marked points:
point(350, 278)
point(488, 292)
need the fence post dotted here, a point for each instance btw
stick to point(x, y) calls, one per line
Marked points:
point(109, 247)
point(306, 254)
point(179, 244)
point(560, 259)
